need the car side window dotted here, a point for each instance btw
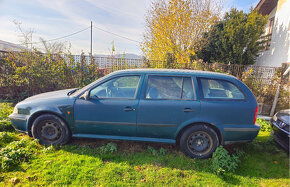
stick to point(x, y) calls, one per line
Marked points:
point(119, 87)
point(219, 89)
point(187, 89)
point(169, 87)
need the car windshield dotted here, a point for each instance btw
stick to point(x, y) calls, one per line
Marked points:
point(76, 93)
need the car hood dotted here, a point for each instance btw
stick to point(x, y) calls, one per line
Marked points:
point(284, 115)
point(47, 95)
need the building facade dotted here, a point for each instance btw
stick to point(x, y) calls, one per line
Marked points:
point(277, 33)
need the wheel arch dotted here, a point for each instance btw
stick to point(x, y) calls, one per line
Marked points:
point(39, 113)
point(212, 126)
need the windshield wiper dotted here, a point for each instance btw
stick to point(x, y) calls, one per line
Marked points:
point(72, 91)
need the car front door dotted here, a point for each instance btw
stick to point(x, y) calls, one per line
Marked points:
point(166, 103)
point(110, 109)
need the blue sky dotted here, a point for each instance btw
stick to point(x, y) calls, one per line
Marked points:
point(55, 18)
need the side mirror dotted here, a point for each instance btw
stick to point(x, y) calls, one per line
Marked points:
point(86, 95)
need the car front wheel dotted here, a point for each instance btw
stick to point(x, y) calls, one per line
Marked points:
point(199, 141)
point(50, 129)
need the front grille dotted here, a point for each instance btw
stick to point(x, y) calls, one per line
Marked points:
point(283, 125)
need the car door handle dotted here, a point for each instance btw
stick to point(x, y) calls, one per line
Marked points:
point(129, 109)
point(188, 110)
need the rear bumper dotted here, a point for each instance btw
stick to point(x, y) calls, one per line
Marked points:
point(19, 122)
point(240, 133)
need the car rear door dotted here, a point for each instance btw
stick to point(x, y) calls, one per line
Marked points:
point(165, 103)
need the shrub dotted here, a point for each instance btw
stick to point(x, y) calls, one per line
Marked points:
point(222, 162)
point(265, 125)
point(30, 72)
point(109, 148)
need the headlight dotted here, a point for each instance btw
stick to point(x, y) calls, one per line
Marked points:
point(15, 111)
point(275, 117)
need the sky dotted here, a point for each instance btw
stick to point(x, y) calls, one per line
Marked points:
point(50, 19)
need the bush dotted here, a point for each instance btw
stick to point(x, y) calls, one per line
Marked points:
point(265, 125)
point(109, 148)
point(16, 152)
point(222, 162)
point(30, 72)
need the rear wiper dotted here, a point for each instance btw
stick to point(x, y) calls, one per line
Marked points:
point(72, 91)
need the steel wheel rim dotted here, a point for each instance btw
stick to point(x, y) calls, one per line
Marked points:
point(49, 130)
point(199, 143)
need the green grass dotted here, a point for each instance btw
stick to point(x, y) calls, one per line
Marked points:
point(84, 162)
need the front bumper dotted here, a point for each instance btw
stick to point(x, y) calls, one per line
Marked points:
point(281, 136)
point(19, 121)
point(240, 133)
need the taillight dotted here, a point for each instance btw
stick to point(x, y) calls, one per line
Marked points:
point(256, 113)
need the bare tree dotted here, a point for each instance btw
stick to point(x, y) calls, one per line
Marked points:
point(53, 47)
point(25, 36)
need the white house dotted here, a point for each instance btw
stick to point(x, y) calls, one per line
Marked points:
point(277, 50)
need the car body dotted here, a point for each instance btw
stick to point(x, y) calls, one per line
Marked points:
point(281, 128)
point(146, 105)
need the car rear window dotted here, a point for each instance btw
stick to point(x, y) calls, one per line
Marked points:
point(169, 87)
point(219, 89)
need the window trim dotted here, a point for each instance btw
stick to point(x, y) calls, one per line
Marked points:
point(201, 95)
point(118, 98)
point(181, 76)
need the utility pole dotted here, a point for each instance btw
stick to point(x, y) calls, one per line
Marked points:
point(91, 53)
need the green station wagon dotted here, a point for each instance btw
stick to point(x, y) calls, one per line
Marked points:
point(196, 110)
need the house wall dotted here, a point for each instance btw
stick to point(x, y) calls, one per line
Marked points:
point(279, 51)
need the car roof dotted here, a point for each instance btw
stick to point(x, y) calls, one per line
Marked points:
point(174, 71)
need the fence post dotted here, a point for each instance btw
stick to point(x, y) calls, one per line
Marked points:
point(278, 91)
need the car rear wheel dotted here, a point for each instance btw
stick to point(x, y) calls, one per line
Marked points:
point(50, 129)
point(199, 141)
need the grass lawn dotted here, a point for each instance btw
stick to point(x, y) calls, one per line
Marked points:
point(87, 162)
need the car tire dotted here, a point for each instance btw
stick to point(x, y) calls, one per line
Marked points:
point(199, 141)
point(50, 130)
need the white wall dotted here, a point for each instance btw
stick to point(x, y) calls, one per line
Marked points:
point(279, 51)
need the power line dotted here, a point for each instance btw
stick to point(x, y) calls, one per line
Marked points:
point(117, 35)
point(61, 37)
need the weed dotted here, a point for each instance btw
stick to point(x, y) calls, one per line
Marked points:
point(6, 137)
point(152, 151)
point(155, 152)
point(109, 148)
point(222, 162)
point(48, 149)
point(5, 123)
point(162, 151)
point(16, 152)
